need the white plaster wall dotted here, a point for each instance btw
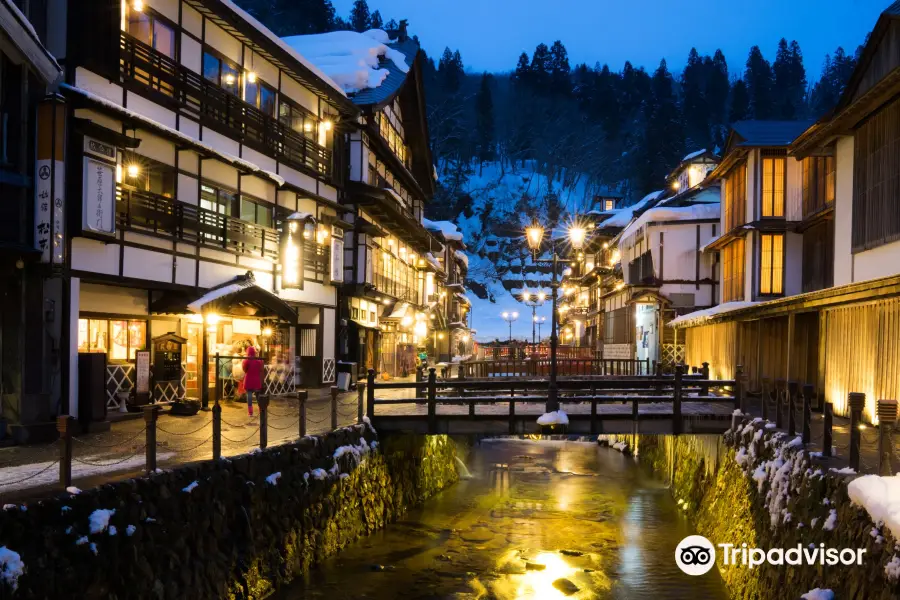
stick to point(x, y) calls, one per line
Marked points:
point(113, 299)
point(328, 341)
point(260, 160)
point(191, 20)
point(189, 127)
point(94, 256)
point(220, 142)
point(287, 199)
point(843, 211)
point(878, 262)
point(294, 177)
point(187, 189)
point(99, 118)
point(212, 274)
point(221, 173)
point(147, 264)
point(191, 54)
point(151, 110)
point(307, 205)
point(308, 315)
point(258, 187)
point(168, 8)
point(222, 42)
point(155, 147)
point(793, 209)
point(98, 85)
point(793, 264)
point(147, 240)
point(263, 68)
point(312, 293)
point(185, 270)
point(299, 94)
point(326, 191)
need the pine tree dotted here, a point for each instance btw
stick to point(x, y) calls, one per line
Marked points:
point(663, 144)
point(740, 102)
point(392, 25)
point(836, 72)
point(789, 81)
point(606, 102)
point(559, 69)
point(522, 74)
point(359, 16)
point(758, 78)
point(293, 17)
point(484, 119)
point(376, 22)
point(717, 87)
point(450, 71)
point(694, 105)
point(540, 68)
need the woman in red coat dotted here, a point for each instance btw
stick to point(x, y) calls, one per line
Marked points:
point(252, 367)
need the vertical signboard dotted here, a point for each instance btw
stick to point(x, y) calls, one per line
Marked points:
point(99, 181)
point(49, 188)
point(142, 376)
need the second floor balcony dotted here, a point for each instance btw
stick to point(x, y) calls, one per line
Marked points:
point(177, 87)
point(640, 270)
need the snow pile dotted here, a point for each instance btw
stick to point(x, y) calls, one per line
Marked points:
point(667, 214)
point(892, 569)
point(818, 594)
point(622, 217)
point(620, 446)
point(129, 531)
point(99, 519)
point(558, 417)
point(353, 60)
point(113, 530)
point(699, 316)
point(11, 567)
point(273, 478)
point(831, 521)
point(357, 452)
point(880, 496)
point(448, 229)
point(462, 256)
point(319, 474)
point(73, 490)
point(191, 487)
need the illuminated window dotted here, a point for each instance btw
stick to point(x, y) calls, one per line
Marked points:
point(771, 264)
point(610, 204)
point(119, 338)
point(733, 271)
point(222, 73)
point(773, 180)
point(735, 188)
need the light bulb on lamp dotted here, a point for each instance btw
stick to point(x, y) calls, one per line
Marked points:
point(133, 170)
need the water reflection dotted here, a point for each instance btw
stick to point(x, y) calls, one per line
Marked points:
point(536, 520)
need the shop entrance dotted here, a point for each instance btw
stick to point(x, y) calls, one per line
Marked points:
point(646, 323)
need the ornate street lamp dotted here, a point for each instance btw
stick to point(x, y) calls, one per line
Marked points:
point(510, 317)
point(534, 234)
point(533, 300)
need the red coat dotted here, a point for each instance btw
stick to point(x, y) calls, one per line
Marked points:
point(252, 371)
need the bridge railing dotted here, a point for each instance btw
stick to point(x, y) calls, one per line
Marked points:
point(676, 390)
point(540, 367)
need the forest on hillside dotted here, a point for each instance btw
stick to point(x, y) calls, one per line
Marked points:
point(621, 129)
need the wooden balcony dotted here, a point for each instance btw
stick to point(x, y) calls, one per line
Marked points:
point(640, 270)
point(185, 91)
point(148, 213)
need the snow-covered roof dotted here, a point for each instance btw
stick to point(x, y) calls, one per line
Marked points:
point(353, 60)
point(693, 155)
point(433, 261)
point(26, 39)
point(399, 311)
point(699, 316)
point(664, 214)
point(284, 46)
point(621, 217)
point(449, 230)
point(197, 305)
point(463, 257)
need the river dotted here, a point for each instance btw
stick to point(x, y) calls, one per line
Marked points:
point(537, 519)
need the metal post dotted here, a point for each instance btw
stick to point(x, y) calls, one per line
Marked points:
point(792, 407)
point(827, 424)
point(887, 416)
point(739, 399)
point(334, 414)
point(217, 430)
point(857, 402)
point(676, 400)
point(360, 401)
point(303, 396)
point(552, 389)
point(432, 401)
point(370, 394)
point(263, 421)
point(218, 395)
point(704, 371)
point(204, 366)
point(64, 425)
point(807, 413)
point(150, 416)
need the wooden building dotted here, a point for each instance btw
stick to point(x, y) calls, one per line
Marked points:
point(836, 322)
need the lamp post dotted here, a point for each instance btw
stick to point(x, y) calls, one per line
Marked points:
point(510, 317)
point(539, 321)
point(534, 234)
point(534, 300)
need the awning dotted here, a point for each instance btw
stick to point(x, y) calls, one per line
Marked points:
point(400, 310)
point(240, 297)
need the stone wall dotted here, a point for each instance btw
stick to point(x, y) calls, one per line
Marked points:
point(761, 488)
point(234, 528)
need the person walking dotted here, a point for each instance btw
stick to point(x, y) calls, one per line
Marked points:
point(252, 367)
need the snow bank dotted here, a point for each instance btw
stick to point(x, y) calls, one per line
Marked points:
point(880, 496)
point(273, 478)
point(11, 567)
point(558, 417)
point(818, 594)
point(99, 519)
point(699, 316)
point(448, 229)
point(191, 487)
point(352, 60)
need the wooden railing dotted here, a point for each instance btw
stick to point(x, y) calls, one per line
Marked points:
point(540, 367)
point(527, 350)
point(217, 107)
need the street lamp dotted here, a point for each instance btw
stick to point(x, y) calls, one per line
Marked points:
point(540, 321)
point(510, 317)
point(534, 300)
point(534, 233)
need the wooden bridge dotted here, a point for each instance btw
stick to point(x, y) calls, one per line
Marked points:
point(593, 404)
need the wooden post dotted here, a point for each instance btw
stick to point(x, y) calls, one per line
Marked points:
point(360, 401)
point(740, 400)
point(512, 416)
point(887, 416)
point(370, 393)
point(263, 421)
point(780, 390)
point(766, 397)
point(432, 401)
point(593, 413)
point(304, 396)
point(857, 402)
point(334, 404)
point(217, 430)
point(704, 371)
point(792, 408)
point(218, 395)
point(676, 401)
point(828, 424)
point(420, 391)
point(64, 425)
point(150, 416)
point(808, 391)
point(654, 371)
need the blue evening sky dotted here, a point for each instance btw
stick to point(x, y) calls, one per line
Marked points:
point(490, 34)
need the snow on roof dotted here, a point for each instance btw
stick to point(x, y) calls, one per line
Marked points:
point(463, 257)
point(284, 46)
point(197, 305)
point(448, 229)
point(399, 311)
point(433, 261)
point(351, 59)
point(699, 316)
point(622, 216)
point(880, 496)
point(665, 213)
point(693, 155)
point(225, 156)
point(50, 69)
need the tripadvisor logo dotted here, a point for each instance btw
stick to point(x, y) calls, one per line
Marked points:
point(696, 555)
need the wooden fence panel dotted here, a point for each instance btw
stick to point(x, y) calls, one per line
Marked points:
point(715, 344)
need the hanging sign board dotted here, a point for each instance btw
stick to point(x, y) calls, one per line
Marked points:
point(99, 188)
point(49, 188)
point(142, 376)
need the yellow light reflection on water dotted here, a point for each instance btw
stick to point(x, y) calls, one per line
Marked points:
point(539, 584)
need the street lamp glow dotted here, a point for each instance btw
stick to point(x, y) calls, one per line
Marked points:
point(504, 314)
point(526, 296)
point(542, 296)
point(535, 235)
point(133, 170)
point(515, 315)
point(577, 233)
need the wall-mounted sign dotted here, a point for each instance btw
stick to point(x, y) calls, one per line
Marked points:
point(142, 376)
point(292, 236)
point(337, 260)
point(99, 193)
point(49, 188)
